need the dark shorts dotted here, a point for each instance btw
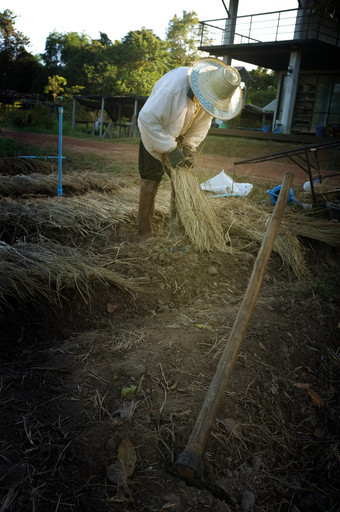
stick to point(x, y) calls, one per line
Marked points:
point(149, 167)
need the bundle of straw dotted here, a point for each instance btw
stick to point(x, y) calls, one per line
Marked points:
point(18, 165)
point(245, 222)
point(321, 230)
point(43, 274)
point(197, 215)
point(48, 184)
point(92, 214)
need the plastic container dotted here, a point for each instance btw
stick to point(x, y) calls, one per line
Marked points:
point(266, 128)
point(307, 187)
point(274, 194)
point(319, 131)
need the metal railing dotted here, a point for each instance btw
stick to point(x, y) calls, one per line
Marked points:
point(269, 27)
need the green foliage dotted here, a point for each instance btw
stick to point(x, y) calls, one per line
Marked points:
point(75, 64)
point(13, 148)
point(56, 86)
point(18, 68)
point(183, 37)
point(144, 58)
point(19, 117)
point(262, 90)
point(11, 41)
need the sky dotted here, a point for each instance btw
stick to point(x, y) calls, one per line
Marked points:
point(36, 19)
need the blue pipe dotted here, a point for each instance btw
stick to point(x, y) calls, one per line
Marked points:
point(223, 195)
point(41, 157)
point(60, 150)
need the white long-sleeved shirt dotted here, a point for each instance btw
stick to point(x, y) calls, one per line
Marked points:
point(167, 114)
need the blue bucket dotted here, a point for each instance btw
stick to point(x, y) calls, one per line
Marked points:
point(266, 128)
point(319, 131)
point(274, 194)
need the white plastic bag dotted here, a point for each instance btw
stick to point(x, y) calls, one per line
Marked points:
point(222, 184)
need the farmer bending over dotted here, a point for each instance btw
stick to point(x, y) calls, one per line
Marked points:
point(173, 122)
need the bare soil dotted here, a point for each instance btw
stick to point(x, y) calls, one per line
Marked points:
point(90, 391)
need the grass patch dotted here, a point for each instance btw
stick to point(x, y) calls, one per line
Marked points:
point(13, 148)
point(241, 147)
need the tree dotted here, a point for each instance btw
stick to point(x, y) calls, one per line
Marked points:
point(262, 90)
point(18, 67)
point(182, 37)
point(11, 41)
point(100, 66)
point(56, 86)
point(65, 54)
point(142, 58)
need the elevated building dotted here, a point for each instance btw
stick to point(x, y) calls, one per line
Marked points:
point(302, 45)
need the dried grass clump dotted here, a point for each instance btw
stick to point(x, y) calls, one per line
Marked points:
point(210, 223)
point(32, 272)
point(18, 165)
point(315, 229)
point(198, 217)
point(75, 183)
point(245, 222)
point(91, 215)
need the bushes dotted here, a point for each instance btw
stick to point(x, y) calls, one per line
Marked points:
point(26, 116)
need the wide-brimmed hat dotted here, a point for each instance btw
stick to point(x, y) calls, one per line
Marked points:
point(216, 87)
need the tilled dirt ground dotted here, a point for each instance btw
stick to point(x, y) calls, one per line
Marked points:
point(99, 400)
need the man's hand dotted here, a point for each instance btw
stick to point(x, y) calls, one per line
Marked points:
point(178, 158)
point(189, 154)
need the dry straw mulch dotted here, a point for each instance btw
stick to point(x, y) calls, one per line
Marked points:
point(74, 183)
point(230, 223)
point(13, 166)
point(47, 273)
point(197, 214)
point(90, 215)
point(43, 268)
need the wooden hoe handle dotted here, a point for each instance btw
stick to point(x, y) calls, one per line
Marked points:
point(189, 464)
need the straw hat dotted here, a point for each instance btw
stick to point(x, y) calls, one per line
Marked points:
point(216, 87)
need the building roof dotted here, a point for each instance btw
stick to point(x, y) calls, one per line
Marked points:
point(115, 106)
point(316, 55)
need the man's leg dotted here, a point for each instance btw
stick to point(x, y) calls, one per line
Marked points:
point(148, 191)
point(151, 171)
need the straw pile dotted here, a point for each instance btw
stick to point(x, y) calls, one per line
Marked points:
point(17, 165)
point(198, 217)
point(91, 215)
point(245, 223)
point(36, 273)
point(48, 184)
point(230, 224)
point(321, 230)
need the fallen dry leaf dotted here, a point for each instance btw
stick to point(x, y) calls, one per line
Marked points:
point(316, 398)
point(302, 385)
point(127, 456)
